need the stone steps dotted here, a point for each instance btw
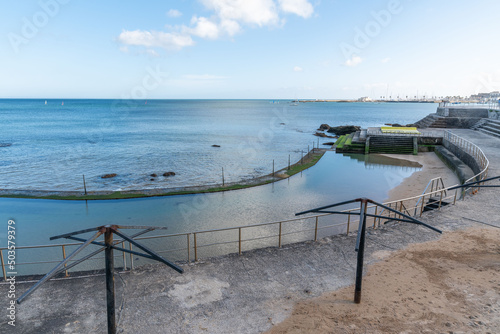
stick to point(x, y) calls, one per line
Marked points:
point(393, 144)
point(490, 127)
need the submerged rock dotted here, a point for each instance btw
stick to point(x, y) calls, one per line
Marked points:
point(5, 144)
point(323, 135)
point(153, 175)
point(214, 145)
point(344, 129)
point(169, 174)
point(108, 176)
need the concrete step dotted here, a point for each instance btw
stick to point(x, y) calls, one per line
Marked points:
point(491, 133)
point(491, 125)
point(494, 121)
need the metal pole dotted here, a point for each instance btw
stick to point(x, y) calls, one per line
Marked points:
point(273, 167)
point(110, 281)
point(3, 266)
point(195, 248)
point(84, 185)
point(124, 257)
point(289, 162)
point(188, 247)
point(64, 258)
point(316, 230)
point(131, 257)
point(361, 251)
point(223, 176)
point(239, 242)
point(279, 238)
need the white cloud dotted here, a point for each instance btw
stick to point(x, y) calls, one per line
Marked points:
point(298, 69)
point(258, 12)
point(386, 60)
point(354, 61)
point(203, 28)
point(299, 7)
point(169, 41)
point(174, 13)
point(228, 18)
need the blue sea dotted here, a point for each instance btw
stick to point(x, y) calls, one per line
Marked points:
point(55, 142)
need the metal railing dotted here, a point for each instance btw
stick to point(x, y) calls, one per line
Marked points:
point(475, 152)
point(435, 133)
point(465, 105)
point(275, 231)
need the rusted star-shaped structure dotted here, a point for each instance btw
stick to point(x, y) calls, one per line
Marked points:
point(108, 246)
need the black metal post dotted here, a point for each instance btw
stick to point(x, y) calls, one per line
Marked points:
point(110, 281)
point(84, 185)
point(223, 176)
point(361, 253)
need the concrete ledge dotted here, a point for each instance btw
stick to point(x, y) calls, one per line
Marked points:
point(463, 171)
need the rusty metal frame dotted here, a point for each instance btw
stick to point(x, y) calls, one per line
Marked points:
point(108, 246)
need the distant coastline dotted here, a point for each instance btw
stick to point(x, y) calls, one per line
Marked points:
point(372, 101)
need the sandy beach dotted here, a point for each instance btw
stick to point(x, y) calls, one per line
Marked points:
point(414, 185)
point(432, 287)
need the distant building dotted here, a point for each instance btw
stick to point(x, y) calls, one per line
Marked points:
point(364, 99)
point(485, 97)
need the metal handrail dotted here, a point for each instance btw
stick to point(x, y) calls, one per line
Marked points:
point(475, 151)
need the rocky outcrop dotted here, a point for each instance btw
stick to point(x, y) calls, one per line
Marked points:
point(324, 127)
point(344, 129)
point(169, 174)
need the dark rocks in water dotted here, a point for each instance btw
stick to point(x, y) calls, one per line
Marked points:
point(343, 129)
point(151, 179)
point(323, 135)
point(411, 125)
point(5, 144)
point(324, 127)
point(214, 145)
point(169, 174)
point(330, 143)
point(396, 125)
point(108, 176)
point(153, 175)
point(282, 123)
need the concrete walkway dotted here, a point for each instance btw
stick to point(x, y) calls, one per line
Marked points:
point(236, 294)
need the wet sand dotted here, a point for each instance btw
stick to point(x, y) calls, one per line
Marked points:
point(414, 185)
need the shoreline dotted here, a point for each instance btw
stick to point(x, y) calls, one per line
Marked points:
point(309, 160)
point(415, 184)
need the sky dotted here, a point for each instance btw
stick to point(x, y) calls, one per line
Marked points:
point(248, 49)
